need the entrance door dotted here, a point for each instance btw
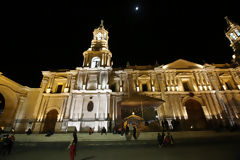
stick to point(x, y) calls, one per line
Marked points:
point(196, 116)
point(50, 121)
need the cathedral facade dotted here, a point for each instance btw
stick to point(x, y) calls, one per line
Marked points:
point(97, 95)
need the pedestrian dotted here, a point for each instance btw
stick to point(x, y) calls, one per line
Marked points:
point(160, 139)
point(75, 138)
point(168, 140)
point(90, 131)
point(127, 130)
point(72, 149)
point(29, 131)
point(10, 141)
point(122, 131)
point(134, 132)
point(103, 131)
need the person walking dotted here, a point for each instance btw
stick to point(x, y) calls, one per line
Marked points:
point(72, 149)
point(90, 131)
point(160, 139)
point(127, 130)
point(168, 140)
point(134, 132)
point(103, 131)
point(75, 138)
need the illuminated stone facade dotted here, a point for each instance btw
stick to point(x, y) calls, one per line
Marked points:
point(198, 96)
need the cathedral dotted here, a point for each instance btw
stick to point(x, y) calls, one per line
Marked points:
point(96, 95)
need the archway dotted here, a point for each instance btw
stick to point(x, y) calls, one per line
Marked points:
point(196, 117)
point(50, 121)
point(2, 103)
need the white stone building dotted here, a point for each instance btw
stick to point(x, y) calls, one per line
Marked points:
point(97, 95)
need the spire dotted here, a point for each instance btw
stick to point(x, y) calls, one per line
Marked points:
point(101, 25)
point(229, 22)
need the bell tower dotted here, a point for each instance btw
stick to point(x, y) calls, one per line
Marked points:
point(98, 55)
point(233, 34)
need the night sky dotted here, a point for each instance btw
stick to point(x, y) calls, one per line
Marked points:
point(38, 36)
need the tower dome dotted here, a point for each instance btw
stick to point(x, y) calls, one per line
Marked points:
point(98, 55)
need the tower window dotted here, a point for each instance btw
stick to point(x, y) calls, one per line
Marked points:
point(99, 36)
point(186, 87)
point(59, 89)
point(229, 85)
point(95, 62)
point(144, 87)
point(233, 36)
point(237, 32)
point(113, 88)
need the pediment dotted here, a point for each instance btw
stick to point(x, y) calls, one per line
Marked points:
point(12, 85)
point(183, 64)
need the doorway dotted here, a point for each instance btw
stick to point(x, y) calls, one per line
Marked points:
point(196, 117)
point(50, 121)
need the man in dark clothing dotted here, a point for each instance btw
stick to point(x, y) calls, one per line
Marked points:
point(103, 131)
point(160, 139)
point(29, 131)
point(127, 130)
point(75, 138)
point(134, 132)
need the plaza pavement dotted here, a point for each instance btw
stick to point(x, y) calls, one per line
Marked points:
point(144, 136)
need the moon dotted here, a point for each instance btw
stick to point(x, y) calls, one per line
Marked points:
point(136, 8)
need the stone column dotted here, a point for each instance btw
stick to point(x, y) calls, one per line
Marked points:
point(19, 113)
point(226, 114)
point(62, 110)
point(107, 106)
point(72, 107)
point(162, 87)
point(97, 114)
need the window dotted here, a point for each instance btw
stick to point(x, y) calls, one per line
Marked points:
point(105, 36)
point(186, 87)
point(90, 106)
point(144, 87)
point(95, 62)
point(229, 85)
point(113, 88)
point(237, 32)
point(59, 89)
point(99, 36)
point(233, 36)
point(2, 103)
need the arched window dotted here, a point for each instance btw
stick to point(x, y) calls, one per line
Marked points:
point(237, 32)
point(233, 36)
point(95, 62)
point(2, 103)
point(90, 106)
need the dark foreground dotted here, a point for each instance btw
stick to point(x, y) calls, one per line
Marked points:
point(221, 148)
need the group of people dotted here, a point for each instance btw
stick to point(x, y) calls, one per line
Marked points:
point(6, 143)
point(165, 140)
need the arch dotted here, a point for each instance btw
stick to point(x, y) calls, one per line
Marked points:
point(50, 120)
point(2, 103)
point(11, 100)
point(95, 62)
point(193, 98)
point(196, 117)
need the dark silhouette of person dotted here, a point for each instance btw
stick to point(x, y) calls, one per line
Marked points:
point(29, 131)
point(75, 138)
point(127, 130)
point(103, 131)
point(90, 131)
point(134, 132)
